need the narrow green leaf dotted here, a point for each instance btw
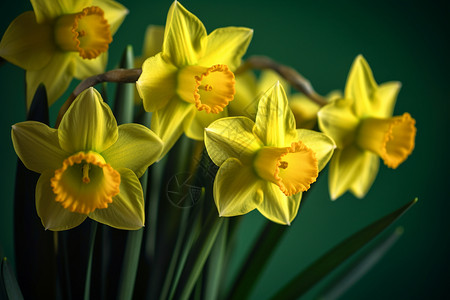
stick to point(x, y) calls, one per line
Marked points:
point(359, 268)
point(215, 265)
point(87, 287)
point(9, 282)
point(325, 264)
point(124, 102)
point(198, 255)
point(257, 259)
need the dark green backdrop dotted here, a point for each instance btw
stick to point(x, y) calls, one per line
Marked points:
point(401, 40)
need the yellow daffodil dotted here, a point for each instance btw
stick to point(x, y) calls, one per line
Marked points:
point(61, 39)
point(265, 164)
point(364, 130)
point(89, 166)
point(249, 89)
point(190, 82)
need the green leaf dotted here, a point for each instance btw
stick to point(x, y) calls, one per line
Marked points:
point(124, 103)
point(9, 282)
point(198, 255)
point(257, 259)
point(359, 268)
point(325, 264)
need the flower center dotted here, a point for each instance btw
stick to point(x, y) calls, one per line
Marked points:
point(392, 139)
point(85, 182)
point(293, 168)
point(86, 32)
point(211, 89)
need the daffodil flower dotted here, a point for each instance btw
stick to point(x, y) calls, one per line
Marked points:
point(265, 164)
point(89, 166)
point(364, 130)
point(59, 40)
point(190, 82)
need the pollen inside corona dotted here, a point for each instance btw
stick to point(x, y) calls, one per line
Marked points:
point(85, 183)
point(86, 32)
point(293, 168)
point(210, 89)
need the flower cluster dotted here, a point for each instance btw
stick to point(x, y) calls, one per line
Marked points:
point(264, 144)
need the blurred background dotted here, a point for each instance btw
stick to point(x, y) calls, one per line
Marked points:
point(401, 40)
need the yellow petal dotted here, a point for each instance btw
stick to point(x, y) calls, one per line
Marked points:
point(321, 144)
point(236, 189)
point(275, 123)
point(168, 122)
point(127, 208)
point(364, 181)
point(157, 83)
point(52, 214)
point(231, 137)
point(153, 40)
point(345, 168)
point(384, 99)
point(268, 78)
point(37, 146)
point(114, 12)
point(304, 110)
point(195, 129)
point(184, 36)
point(360, 87)
point(27, 44)
point(56, 77)
point(338, 121)
point(226, 46)
point(47, 11)
point(278, 207)
point(136, 148)
point(246, 98)
point(88, 124)
point(89, 67)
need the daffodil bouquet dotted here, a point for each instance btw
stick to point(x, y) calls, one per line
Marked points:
point(194, 138)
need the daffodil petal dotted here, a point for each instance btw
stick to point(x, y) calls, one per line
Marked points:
point(157, 83)
point(127, 209)
point(322, 145)
point(46, 11)
point(369, 171)
point(345, 168)
point(55, 76)
point(136, 148)
point(338, 121)
point(304, 110)
point(231, 137)
point(245, 102)
point(168, 122)
point(37, 146)
point(196, 129)
point(236, 189)
point(360, 86)
point(89, 67)
point(52, 214)
point(153, 40)
point(27, 44)
point(114, 12)
point(268, 78)
point(88, 124)
point(184, 36)
point(276, 206)
point(275, 123)
point(226, 46)
point(384, 99)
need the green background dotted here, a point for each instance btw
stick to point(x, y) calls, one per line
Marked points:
point(402, 40)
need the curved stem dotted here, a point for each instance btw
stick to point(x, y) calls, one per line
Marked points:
point(117, 75)
point(296, 80)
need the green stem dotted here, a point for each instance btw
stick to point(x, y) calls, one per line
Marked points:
point(87, 286)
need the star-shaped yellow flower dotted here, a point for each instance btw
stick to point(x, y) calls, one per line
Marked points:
point(89, 166)
point(364, 130)
point(61, 39)
point(190, 82)
point(265, 164)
